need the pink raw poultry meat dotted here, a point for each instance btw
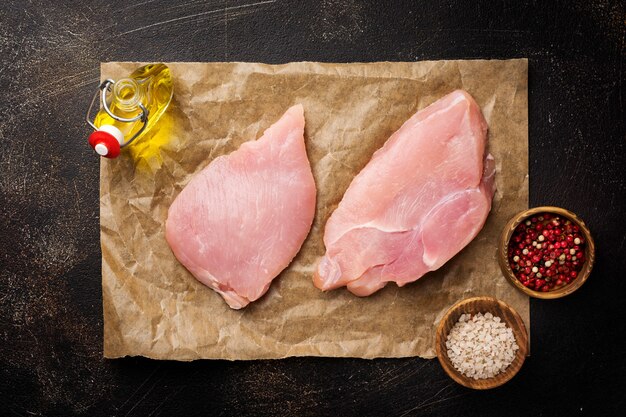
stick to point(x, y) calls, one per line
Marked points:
point(242, 219)
point(422, 198)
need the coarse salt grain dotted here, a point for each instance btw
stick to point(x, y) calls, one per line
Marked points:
point(481, 345)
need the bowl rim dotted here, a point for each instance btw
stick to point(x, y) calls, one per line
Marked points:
point(488, 383)
point(505, 237)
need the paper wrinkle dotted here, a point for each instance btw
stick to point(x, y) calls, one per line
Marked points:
point(153, 307)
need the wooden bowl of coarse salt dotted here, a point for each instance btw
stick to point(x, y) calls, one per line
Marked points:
point(481, 342)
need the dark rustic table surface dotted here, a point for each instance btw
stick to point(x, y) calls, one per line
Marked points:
point(50, 296)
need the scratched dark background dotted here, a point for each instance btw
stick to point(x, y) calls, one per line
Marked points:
point(50, 297)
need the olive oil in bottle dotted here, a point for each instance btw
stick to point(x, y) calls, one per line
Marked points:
point(131, 108)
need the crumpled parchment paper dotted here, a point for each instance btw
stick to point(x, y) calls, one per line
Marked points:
point(153, 307)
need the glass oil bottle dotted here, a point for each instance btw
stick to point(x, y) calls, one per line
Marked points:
point(130, 107)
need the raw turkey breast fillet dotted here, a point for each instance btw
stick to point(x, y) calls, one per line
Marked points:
point(242, 219)
point(422, 198)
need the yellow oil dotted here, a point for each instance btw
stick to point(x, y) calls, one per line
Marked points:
point(150, 85)
point(146, 153)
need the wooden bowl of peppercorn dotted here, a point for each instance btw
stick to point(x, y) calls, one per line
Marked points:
point(546, 252)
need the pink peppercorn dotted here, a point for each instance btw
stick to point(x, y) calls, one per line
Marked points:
point(556, 242)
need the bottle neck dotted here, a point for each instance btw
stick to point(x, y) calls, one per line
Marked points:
point(127, 94)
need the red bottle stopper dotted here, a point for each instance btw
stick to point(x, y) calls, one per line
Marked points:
point(106, 141)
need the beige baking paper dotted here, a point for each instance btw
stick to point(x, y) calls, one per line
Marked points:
point(153, 307)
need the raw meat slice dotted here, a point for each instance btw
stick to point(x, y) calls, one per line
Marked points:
point(241, 220)
point(420, 200)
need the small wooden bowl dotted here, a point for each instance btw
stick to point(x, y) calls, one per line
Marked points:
point(474, 306)
point(505, 237)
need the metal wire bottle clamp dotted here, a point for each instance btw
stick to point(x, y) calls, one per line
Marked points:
point(108, 140)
